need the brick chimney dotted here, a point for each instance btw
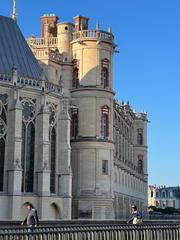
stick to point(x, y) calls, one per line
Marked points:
point(49, 25)
point(81, 23)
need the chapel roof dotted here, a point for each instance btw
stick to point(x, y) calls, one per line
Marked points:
point(14, 50)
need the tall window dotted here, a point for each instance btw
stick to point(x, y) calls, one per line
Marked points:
point(52, 140)
point(140, 136)
point(53, 160)
point(140, 163)
point(104, 77)
point(75, 76)
point(105, 122)
point(105, 73)
point(105, 167)
point(28, 143)
point(74, 123)
point(3, 133)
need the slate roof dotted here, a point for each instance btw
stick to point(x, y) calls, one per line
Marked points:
point(14, 50)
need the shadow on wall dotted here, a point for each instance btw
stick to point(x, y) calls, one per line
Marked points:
point(89, 79)
point(55, 212)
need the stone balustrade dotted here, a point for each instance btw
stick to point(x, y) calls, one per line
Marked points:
point(93, 34)
point(32, 83)
point(5, 78)
point(42, 42)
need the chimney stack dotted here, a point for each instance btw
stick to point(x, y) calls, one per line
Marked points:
point(49, 25)
point(81, 23)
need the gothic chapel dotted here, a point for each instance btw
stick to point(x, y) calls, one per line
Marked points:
point(66, 145)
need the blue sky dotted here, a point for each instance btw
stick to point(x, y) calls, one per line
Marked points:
point(146, 71)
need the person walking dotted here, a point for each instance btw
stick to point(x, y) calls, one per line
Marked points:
point(136, 216)
point(31, 219)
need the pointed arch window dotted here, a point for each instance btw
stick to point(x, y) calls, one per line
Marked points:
point(3, 133)
point(53, 160)
point(105, 122)
point(52, 140)
point(105, 73)
point(140, 164)
point(74, 123)
point(28, 143)
point(75, 77)
point(140, 136)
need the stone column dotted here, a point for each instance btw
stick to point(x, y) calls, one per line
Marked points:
point(42, 159)
point(13, 164)
point(64, 160)
point(42, 151)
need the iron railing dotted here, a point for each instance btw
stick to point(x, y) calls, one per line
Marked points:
point(103, 232)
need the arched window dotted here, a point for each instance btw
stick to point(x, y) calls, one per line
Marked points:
point(140, 136)
point(105, 72)
point(28, 144)
point(140, 163)
point(74, 125)
point(104, 77)
point(75, 77)
point(3, 132)
point(105, 122)
point(53, 160)
point(52, 150)
point(104, 126)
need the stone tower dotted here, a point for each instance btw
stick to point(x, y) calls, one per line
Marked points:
point(108, 139)
point(141, 149)
point(92, 122)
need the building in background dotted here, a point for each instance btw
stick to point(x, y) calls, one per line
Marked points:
point(59, 116)
point(152, 195)
point(162, 196)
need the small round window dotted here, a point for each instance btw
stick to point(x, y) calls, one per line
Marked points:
point(66, 28)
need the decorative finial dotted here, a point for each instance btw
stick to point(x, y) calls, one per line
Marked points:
point(109, 29)
point(14, 14)
point(97, 26)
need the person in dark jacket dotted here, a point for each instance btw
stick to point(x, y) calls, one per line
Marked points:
point(31, 219)
point(136, 216)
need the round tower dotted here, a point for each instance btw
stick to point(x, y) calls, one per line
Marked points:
point(64, 34)
point(140, 154)
point(64, 38)
point(92, 122)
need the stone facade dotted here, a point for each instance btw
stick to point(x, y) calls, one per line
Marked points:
point(101, 145)
point(162, 196)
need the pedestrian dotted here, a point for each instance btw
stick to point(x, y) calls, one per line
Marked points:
point(31, 219)
point(136, 216)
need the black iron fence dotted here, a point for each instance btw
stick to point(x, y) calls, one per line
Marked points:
point(92, 232)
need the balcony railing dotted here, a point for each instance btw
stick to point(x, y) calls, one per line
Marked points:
point(42, 42)
point(93, 34)
point(48, 54)
point(112, 232)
